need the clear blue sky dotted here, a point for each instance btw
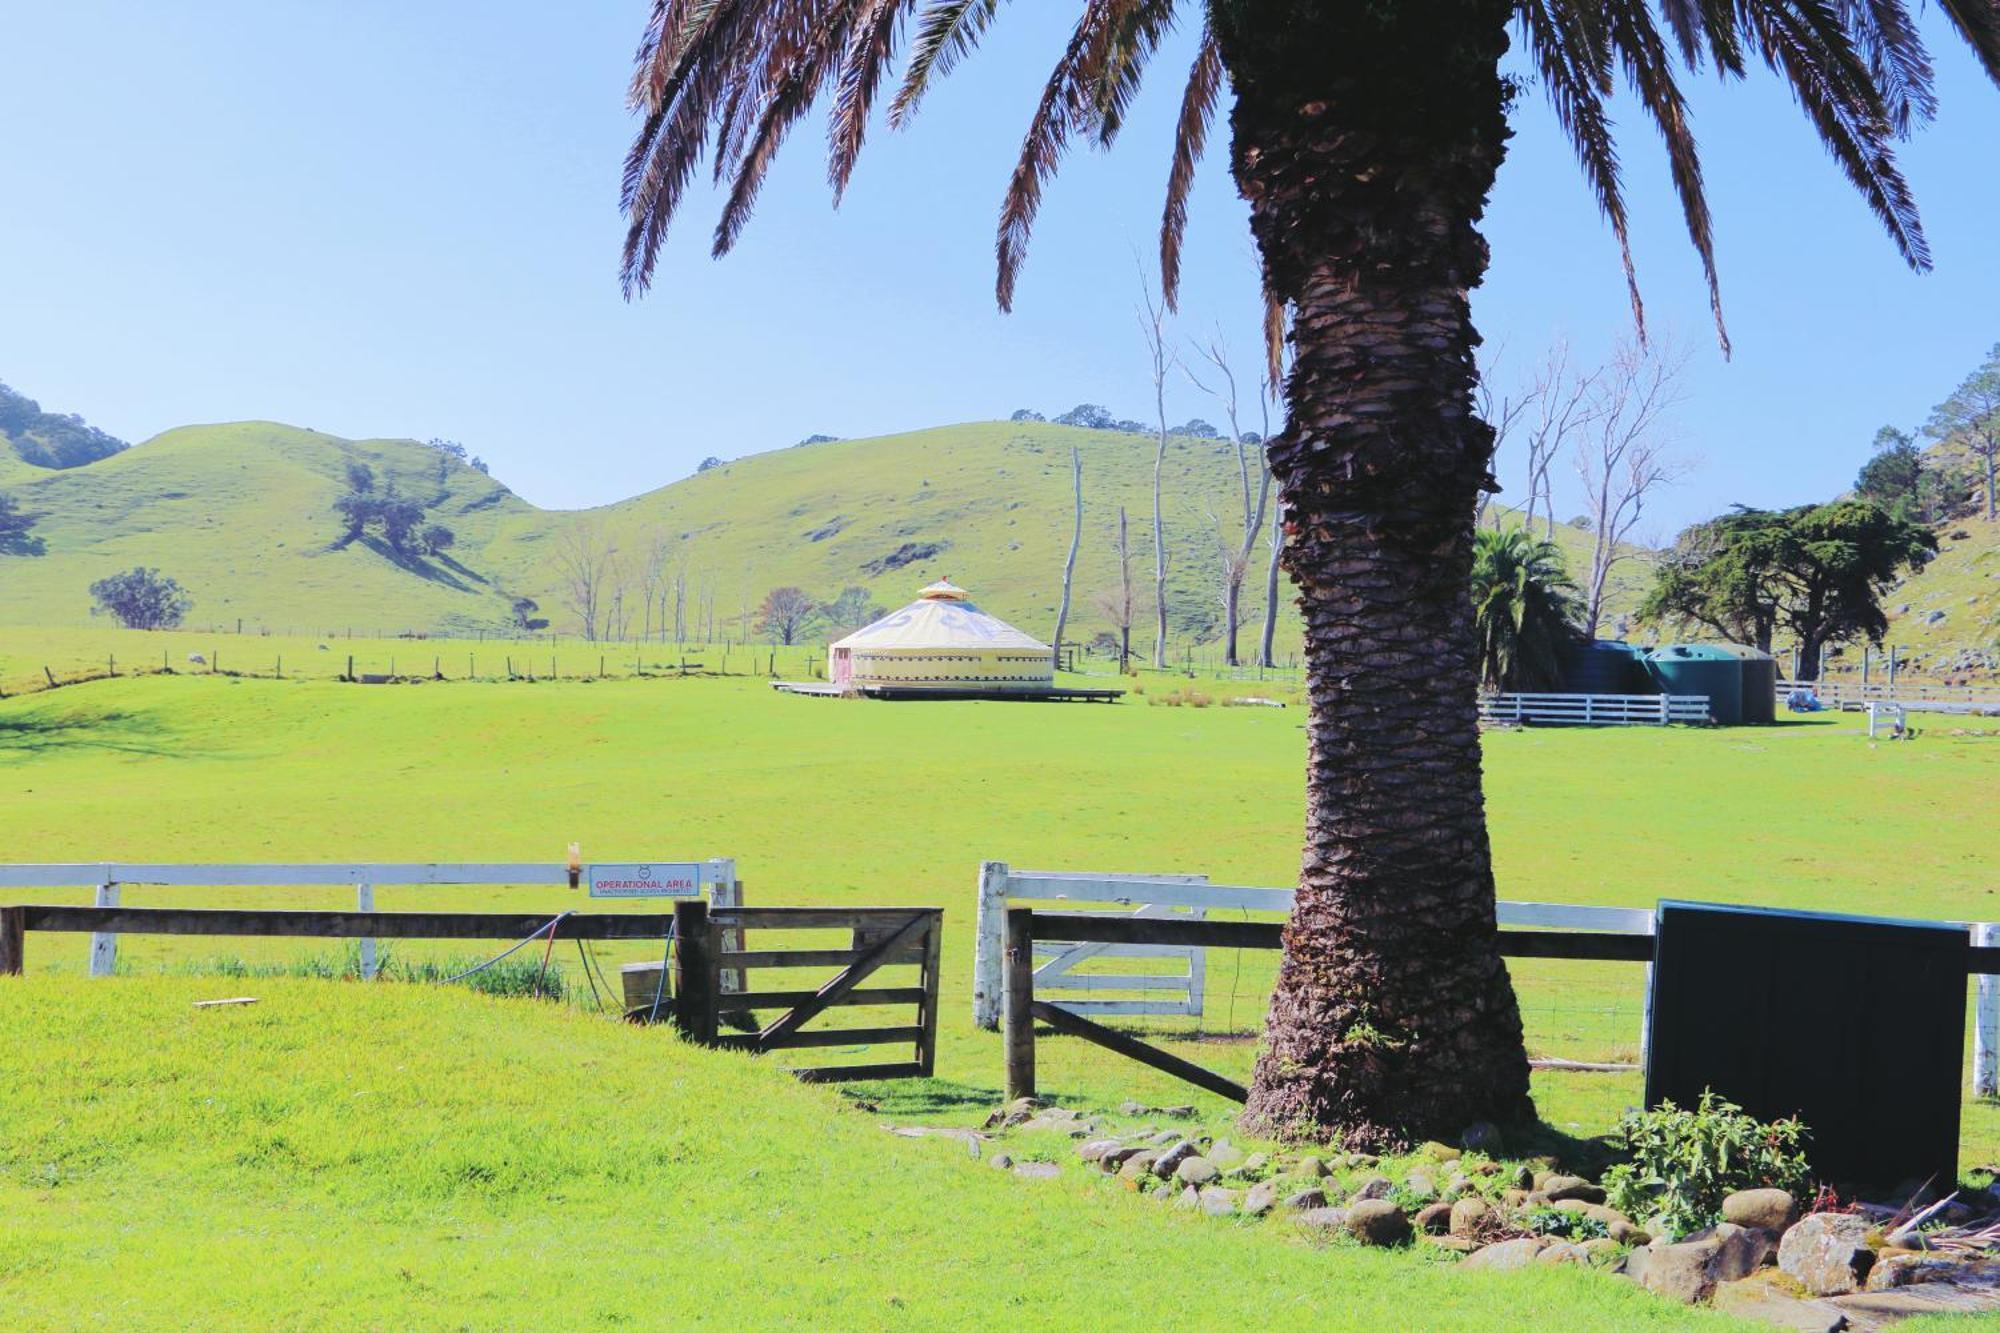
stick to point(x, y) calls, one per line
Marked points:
point(382, 218)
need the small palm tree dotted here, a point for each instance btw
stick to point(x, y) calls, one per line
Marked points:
point(1365, 137)
point(1525, 609)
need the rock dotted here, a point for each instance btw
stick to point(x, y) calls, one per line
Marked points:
point(1093, 1150)
point(1170, 1160)
point(1376, 1221)
point(1486, 1168)
point(1363, 1159)
point(1906, 1238)
point(1507, 1254)
point(1457, 1185)
point(1901, 1270)
point(1828, 1253)
point(1115, 1158)
point(1134, 1108)
point(1375, 1187)
point(1177, 1112)
point(1322, 1220)
point(1218, 1202)
point(1252, 1164)
point(1261, 1199)
point(1439, 1152)
point(1019, 1111)
point(1306, 1200)
point(1625, 1233)
point(1524, 1179)
point(1196, 1171)
point(1058, 1122)
point(1740, 1251)
point(1000, 1160)
point(1757, 1299)
point(1473, 1217)
point(1770, 1209)
point(1484, 1137)
point(1456, 1244)
point(1421, 1185)
point(1680, 1272)
point(1312, 1167)
point(1512, 1199)
point(1138, 1166)
point(1570, 1187)
point(1434, 1219)
point(1164, 1138)
point(1602, 1252)
point(1037, 1170)
point(1562, 1252)
point(1189, 1198)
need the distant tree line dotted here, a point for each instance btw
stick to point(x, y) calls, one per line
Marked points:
point(51, 439)
point(1094, 416)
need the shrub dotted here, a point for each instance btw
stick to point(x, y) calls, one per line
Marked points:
point(1684, 1163)
point(141, 599)
point(1568, 1224)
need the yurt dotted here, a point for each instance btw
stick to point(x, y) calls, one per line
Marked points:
point(940, 643)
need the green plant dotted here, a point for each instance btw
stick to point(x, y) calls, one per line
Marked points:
point(1570, 1225)
point(1684, 1163)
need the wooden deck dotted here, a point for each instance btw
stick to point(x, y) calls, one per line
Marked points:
point(1055, 694)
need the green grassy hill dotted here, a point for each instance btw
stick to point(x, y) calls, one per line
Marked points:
point(242, 515)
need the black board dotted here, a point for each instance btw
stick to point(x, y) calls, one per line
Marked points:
point(1854, 1024)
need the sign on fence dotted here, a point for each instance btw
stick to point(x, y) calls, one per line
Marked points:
point(657, 879)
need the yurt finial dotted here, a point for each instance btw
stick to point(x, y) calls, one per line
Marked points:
point(944, 590)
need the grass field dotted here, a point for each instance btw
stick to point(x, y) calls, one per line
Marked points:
point(821, 802)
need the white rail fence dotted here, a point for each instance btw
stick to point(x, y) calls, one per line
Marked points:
point(1852, 696)
point(110, 879)
point(1595, 710)
point(1157, 895)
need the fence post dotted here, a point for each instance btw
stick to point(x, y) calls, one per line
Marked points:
point(103, 945)
point(364, 901)
point(1986, 1019)
point(694, 979)
point(1646, 1003)
point(727, 891)
point(987, 944)
point(13, 939)
point(1020, 1028)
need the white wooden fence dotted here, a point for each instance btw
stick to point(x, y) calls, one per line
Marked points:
point(1154, 895)
point(718, 877)
point(1595, 710)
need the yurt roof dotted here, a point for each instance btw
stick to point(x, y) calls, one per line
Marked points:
point(941, 617)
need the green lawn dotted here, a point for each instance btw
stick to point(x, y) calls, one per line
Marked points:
point(821, 802)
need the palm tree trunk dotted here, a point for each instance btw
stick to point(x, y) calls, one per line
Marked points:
point(1365, 138)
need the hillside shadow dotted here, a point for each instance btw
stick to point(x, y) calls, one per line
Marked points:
point(115, 732)
point(443, 570)
point(23, 543)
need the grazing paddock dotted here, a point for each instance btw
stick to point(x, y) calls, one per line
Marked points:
point(852, 803)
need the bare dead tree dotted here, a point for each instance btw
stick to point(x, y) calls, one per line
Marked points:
point(1501, 412)
point(584, 562)
point(653, 580)
point(1075, 539)
point(1623, 456)
point(1117, 603)
point(1563, 400)
point(1153, 324)
point(1255, 495)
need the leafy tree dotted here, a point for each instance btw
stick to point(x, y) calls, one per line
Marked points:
point(449, 448)
point(851, 610)
point(1026, 414)
point(1893, 478)
point(524, 609)
point(1525, 609)
point(1197, 429)
point(817, 439)
point(141, 598)
point(707, 463)
point(436, 538)
point(1088, 415)
point(1817, 572)
point(15, 523)
point(1971, 416)
point(1366, 139)
point(786, 614)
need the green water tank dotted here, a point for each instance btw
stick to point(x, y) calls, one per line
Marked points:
point(1760, 683)
point(1701, 668)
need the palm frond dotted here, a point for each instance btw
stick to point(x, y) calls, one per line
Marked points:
point(1978, 22)
point(948, 32)
point(1064, 108)
point(1135, 35)
point(868, 56)
point(1204, 86)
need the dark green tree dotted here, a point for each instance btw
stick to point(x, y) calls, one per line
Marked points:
point(1365, 139)
point(141, 598)
point(1816, 572)
point(1525, 610)
point(15, 524)
point(1894, 477)
point(1971, 418)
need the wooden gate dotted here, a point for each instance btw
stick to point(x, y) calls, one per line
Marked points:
point(712, 942)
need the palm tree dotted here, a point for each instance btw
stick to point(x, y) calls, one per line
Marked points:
point(1524, 609)
point(1365, 138)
